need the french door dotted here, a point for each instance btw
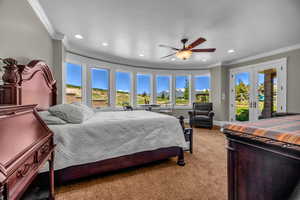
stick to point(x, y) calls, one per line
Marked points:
point(257, 91)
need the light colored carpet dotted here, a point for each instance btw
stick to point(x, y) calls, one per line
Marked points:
point(204, 177)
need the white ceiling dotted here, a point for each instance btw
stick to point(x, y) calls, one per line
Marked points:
point(133, 27)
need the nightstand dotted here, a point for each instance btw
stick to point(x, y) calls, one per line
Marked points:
point(26, 144)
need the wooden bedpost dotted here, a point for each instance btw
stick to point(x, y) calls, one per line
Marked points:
point(180, 160)
point(181, 121)
point(1, 192)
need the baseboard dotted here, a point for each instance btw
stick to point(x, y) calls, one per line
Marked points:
point(220, 124)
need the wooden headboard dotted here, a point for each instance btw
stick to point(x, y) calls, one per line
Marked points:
point(28, 84)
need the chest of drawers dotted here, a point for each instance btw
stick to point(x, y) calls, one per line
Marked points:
point(26, 144)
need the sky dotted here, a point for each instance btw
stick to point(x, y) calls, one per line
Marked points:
point(100, 79)
point(143, 83)
point(244, 77)
point(202, 83)
point(162, 83)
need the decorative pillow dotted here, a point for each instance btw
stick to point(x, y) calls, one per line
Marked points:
point(50, 119)
point(71, 113)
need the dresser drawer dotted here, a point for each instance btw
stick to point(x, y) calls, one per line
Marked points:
point(44, 150)
point(22, 176)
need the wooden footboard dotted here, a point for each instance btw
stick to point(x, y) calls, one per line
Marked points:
point(114, 164)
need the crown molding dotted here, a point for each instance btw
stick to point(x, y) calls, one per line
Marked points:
point(263, 55)
point(58, 36)
point(95, 58)
point(219, 64)
point(40, 12)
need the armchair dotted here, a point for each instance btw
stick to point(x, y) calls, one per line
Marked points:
point(202, 115)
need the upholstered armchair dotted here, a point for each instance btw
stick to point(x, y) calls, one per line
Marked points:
point(202, 115)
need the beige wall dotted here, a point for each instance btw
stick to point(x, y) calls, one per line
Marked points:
point(293, 81)
point(58, 66)
point(218, 92)
point(22, 35)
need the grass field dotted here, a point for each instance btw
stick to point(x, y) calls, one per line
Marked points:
point(100, 97)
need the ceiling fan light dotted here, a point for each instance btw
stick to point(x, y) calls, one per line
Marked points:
point(183, 55)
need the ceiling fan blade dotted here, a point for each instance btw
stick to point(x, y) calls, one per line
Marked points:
point(204, 50)
point(166, 46)
point(196, 43)
point(168, 55)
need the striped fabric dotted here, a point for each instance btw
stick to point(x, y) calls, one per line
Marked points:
point(282, 129)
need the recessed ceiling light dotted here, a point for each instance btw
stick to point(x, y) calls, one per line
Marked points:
point(78, 36)
point(104, 44)
point(173, 59)
point(204, 59)
point(231, 51)
point(141, 55)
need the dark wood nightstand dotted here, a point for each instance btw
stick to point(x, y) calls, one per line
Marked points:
point(26, 144)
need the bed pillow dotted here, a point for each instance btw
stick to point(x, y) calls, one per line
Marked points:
point(84, 107)
point(71, 113)
point(50, 119)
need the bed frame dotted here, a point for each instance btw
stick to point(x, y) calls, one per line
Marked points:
point(34, 84)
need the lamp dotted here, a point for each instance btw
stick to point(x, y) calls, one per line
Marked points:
point(185, 54)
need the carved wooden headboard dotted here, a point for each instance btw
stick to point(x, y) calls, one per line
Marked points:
point(28, 84)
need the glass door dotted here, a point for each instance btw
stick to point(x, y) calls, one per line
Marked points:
point(242, 96)
point(258, 91)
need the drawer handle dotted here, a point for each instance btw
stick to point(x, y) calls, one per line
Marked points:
point(24, 171)
point(230, 148)
point(45, 149)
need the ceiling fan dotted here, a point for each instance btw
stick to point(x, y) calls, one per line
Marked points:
point(186, 52)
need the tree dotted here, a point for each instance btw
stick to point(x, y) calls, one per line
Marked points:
point(186, 93)
point(145, 97)
point(163, 95)
point(242, 93)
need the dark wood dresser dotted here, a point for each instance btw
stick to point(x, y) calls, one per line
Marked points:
point(26, 144)
point(263, 159)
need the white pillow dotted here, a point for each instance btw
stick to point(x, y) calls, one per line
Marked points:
point(50, 119)
point(71, 113)
point(84, 107)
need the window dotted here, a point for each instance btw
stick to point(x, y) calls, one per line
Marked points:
point(143, 88)
point(123, 88)
point(100, 85)
point(163, 89)
point(73, 83)
point(182, 90)
point(202, 88)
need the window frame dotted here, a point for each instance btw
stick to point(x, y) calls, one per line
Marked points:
point(83, 80)
point(151, 87)
point(87, 63)
point(189, 77)
point(132, 86)
point(194, 84)
point(90, 98)
point(170, 87)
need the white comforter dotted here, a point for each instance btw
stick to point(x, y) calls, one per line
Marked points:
point(113, 134)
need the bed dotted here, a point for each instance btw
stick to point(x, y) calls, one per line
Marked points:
point(117, 140)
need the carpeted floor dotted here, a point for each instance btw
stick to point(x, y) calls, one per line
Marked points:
point(202, 178)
